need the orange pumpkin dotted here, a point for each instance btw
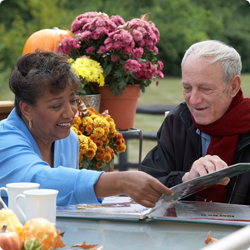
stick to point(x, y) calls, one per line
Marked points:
point(10, 240)
point(39, 233)
point(46, 39)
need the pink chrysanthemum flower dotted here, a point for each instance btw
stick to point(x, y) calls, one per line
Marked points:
point(109, 46)
point(160, 65)
point(142, 30)
point(84, 36)
point(120, 40)
point(132, 65)
point(102, 50)
point(138, 52)
point(155, 49)
point(137, 35)
point(117, 45)
point(118, 20)
point(115, 58)
point(126, 50)
point(89, 50)
point(160, 74)
point(81, 20)
point(67, 44)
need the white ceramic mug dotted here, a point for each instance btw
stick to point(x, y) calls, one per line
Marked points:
point(39, 203)
point(14, 189)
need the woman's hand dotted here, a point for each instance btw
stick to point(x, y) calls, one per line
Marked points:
point(205, 165)
point(141, 187)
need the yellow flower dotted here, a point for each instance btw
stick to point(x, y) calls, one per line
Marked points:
point(98, 132)
point(75, 126)
point(112, 127)
point(83, 139)
point(106, 130)
point(104, 138)
point(94, 116)
point(77, 120)
point(99, 143)
point(92, 144)
point(121, 148)
point(92, 111)
point(90, 153)
point(99, 164)
point(88, 69)
point(100, 122)
point(83, 144)
point(89, 129)
point(80, 157)
point(98, 140)
point(83, 149)
point(74, 129)
point(93, 137)
point(118, 142)
point(100, 150)
point(101, 79)
point(99, 156)
point(107, 157)
point(86, 121)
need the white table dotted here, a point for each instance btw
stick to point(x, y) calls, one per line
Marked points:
point(152, 235)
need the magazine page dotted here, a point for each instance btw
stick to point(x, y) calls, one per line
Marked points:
point(188, 188)
point(197, 211)
point(212, 210)
point(113, 207)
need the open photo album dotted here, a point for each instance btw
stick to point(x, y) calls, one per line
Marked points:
point(170, 207)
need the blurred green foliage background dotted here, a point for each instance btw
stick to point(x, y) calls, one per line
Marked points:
point(180, 23)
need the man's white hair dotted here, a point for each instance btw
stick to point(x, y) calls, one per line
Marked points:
point(216, 51)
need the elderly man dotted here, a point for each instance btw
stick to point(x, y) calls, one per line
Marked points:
point(210, 130)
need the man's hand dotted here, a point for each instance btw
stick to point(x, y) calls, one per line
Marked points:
point(205, 165)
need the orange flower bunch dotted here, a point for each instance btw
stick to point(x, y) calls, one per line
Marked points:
point(98, 139)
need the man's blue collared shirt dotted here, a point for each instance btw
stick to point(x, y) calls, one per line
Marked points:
point(205, 140)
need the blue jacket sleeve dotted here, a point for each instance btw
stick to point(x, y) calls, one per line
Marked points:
point(21, 161)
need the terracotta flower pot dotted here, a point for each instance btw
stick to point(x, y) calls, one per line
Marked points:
point(121, 108)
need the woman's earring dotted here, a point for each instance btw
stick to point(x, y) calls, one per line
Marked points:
point(30, 124)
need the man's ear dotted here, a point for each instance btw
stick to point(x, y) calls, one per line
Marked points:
point(235, 85)
point(26, 110)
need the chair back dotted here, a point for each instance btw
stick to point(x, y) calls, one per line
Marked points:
point(5, 108)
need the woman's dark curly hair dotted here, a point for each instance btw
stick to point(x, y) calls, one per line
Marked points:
point(38, 72)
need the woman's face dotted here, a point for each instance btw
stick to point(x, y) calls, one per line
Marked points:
point(53, 115)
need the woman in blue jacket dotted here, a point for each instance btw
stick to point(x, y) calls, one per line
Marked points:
point(37, 144)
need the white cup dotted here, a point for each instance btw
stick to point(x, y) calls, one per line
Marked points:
point(14, 189)
point(39, 203)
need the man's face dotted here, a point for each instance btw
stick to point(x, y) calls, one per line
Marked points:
point(204, 90)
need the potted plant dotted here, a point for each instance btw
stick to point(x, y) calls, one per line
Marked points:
point(98, 139)
point(90, 73)
point(125, 50)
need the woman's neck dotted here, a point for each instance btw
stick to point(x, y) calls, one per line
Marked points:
point(46, 150)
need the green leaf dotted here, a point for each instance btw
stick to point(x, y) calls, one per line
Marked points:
point(32, 245)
